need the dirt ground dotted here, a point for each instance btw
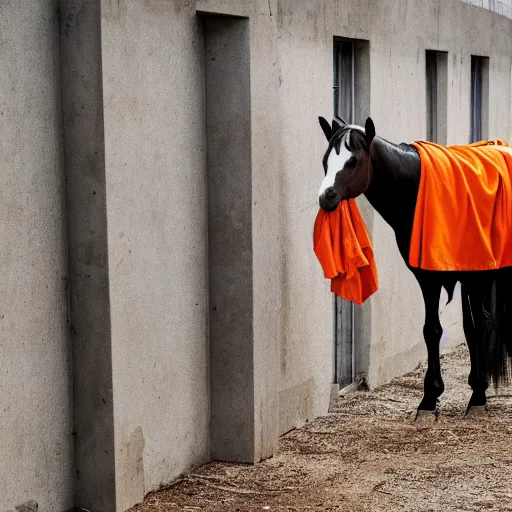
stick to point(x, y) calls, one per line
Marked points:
point(367, 455)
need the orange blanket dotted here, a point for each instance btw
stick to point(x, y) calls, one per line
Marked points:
point(343, 247)
point(463, 218)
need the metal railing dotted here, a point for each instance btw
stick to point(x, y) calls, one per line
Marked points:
point(500, 7)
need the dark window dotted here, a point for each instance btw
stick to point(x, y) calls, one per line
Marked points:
point(437, 95)
point(479, 98)
point(351, 80)
point(344, 80)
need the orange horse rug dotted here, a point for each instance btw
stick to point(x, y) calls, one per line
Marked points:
point(463, 217)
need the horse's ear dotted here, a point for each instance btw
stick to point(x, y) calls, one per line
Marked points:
point(326, 127)
point(369, 129)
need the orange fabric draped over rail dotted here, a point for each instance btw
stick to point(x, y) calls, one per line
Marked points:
point(463, 218)
point(343, 247)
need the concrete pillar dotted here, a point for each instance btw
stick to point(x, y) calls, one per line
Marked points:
point(228, 133)
point(82, 104)
point(237, 431)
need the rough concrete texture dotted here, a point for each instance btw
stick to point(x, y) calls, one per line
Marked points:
point(82, 113)
point(29, 506)
point(156, 211)
point(35, 407)
point(266, 146)
point(228, 135)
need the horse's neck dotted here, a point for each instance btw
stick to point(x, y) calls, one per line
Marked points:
point(394, 186)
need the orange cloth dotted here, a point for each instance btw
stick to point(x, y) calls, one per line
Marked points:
point(463, 218)
point(343, 247)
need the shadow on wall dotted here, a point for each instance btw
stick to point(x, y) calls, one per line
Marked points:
point(28, 506)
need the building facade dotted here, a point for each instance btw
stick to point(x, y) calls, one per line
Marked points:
point(162, 305)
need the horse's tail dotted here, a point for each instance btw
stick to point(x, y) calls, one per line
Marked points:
point(499, 331)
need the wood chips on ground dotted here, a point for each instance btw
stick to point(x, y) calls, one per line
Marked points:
point(367, 455)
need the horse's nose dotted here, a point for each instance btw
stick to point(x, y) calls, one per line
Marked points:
point(330, 194)
point(328, 199)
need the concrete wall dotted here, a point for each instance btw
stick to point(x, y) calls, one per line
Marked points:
point(156, 181)
point(139, 222)
point(291, 84)
point(156, 211)
point(305, 92)
point(35, 390)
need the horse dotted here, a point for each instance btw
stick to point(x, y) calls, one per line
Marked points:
point(356, 162)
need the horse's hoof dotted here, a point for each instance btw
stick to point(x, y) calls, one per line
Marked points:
point(476, 411)
point(423, 416)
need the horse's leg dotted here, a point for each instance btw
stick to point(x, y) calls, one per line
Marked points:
point(432, 332)
point(476, 330)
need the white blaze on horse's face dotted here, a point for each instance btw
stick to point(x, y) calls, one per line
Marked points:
point(335, 163)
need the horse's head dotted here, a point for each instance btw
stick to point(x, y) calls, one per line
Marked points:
point(346, 162)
